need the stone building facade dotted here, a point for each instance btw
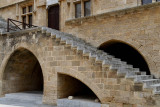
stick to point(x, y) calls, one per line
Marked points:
point(60, 64)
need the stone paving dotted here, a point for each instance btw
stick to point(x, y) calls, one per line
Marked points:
point(25, 99)
point(78, 102)
point(34, 99)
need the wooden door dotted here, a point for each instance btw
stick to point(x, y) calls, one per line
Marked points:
point(53, 17)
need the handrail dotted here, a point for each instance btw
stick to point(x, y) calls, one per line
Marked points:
point(18, 25)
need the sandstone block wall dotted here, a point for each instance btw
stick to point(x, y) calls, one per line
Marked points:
point(14, 11)
point(137, 27)
point(22, 73)
point(97, 7)
point(9, 2)
point(57, 58)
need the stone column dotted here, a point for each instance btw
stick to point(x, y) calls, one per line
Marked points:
point(82, 8)
point(17, 9)
point(72, 8)
point(34, 8)
point(50, 84)
point(139, 2)
point(153, 1)
point(1, 89)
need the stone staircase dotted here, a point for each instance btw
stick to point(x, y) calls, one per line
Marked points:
point(116, 65)
point(125, 72)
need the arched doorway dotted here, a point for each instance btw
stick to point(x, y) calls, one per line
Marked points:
point(70, 86)
point(126, 53)
point(22, 73)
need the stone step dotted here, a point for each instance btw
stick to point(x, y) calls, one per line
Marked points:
point(149, 82)
point(118, 66)
point(157, 92)
point(106, 57)
point(124, 70)
point(107, 60)
point(156, 87)
point(128, 74)
point(138, 78)
point(1, 19)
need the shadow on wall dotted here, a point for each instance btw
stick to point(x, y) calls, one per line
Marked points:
point(69, 86)
point(22, 73)
point(126, 53)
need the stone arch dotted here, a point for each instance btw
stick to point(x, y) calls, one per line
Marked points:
point(136, 45)
point(86, 81)
point(9, 56)
point(16, 47)
point(126, 52)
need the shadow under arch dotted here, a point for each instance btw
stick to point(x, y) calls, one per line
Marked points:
point(82, 80)
point(22, 72)
point(125, 52)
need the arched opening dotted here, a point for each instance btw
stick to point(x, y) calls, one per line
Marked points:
point(70, 86)
point(125, 53)
point(22, 73)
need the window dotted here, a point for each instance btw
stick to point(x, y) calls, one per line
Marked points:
point(83, 8)
point(30, 20)
point(146, 1)
point(24, 10)
point(27, 16)
point(30, 8)
point(78, 10)
point(87, 8)
point(24, 21)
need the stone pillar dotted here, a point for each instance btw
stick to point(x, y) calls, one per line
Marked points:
point(50, 89)
point(92, 7)
point(17, 11)
point(72, 10)
point(82, 8)
point(153, 1)
point(34, 8)
point(139, 2)
point(1, 89)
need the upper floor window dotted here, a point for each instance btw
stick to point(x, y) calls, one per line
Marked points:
point(27, 15)
point(78, 10)
point(146, 2)
point(24, 21)
point(87, 8)
point(24, 10)
point(30, 8)
point(30, 20)
point(83, 8)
